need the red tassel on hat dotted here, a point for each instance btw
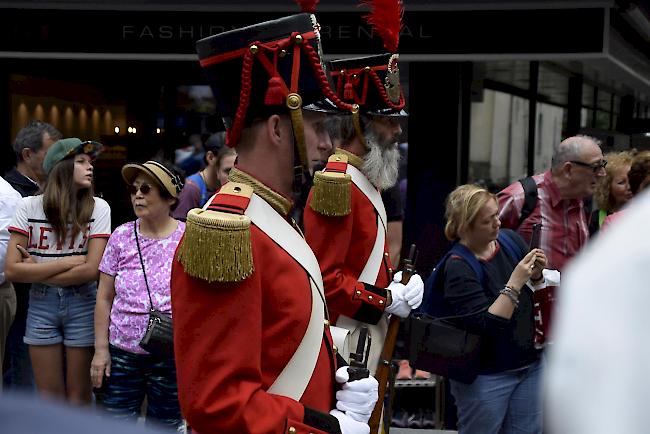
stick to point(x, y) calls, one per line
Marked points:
point(348, 91)
point(274, 94)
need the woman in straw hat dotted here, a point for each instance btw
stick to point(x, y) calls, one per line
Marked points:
point(135, 279)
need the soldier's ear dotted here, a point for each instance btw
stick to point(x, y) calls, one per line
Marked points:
point(275, 129)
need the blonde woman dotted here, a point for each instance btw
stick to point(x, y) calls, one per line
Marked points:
point(639, 179)
point(613, 190)
point(505, 397)
point(57, 240)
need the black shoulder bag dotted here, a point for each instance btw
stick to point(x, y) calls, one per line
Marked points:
point(439, 343)
point(159, 337)
point(443, 347)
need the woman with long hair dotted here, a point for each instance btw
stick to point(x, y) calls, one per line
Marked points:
point(57, 240)
point(135, 278)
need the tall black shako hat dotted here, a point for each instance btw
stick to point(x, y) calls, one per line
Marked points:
point(270, 67)
point(373, 82)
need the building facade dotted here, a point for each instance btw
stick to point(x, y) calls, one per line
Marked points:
point(491, 85)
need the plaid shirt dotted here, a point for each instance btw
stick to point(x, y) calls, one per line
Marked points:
point(564, 223)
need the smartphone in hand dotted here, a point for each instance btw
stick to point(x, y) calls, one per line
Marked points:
point(535, 236)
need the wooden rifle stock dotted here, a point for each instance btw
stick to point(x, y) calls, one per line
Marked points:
point(383, 368)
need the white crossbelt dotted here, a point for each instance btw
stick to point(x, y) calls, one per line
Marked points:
point(369, 274)
point(295, 376)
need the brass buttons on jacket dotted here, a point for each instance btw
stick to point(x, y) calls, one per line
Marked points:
point(326, 322)
point(335, 349)
point(292, 430)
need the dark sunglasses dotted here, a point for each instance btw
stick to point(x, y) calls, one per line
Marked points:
point(133, 189)
point(595, 167)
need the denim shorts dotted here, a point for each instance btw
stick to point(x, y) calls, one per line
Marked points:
point(58, 315)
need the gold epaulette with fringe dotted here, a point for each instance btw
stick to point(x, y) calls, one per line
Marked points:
point(331, 195)
point(217, 242)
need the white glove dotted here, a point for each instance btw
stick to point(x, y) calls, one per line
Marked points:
point(349, 425)
point(356, 398)
point(414, 289)
point(405, 297)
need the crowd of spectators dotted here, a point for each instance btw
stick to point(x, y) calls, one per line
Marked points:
point(75, 295)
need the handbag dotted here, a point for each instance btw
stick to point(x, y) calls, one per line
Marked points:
point(159, 336)
point(439, 346)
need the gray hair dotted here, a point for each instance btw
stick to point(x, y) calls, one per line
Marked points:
point(31, 136)
point(571, 149)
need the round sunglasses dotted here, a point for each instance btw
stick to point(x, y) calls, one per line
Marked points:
point(144, 188)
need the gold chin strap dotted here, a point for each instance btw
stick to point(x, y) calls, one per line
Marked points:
point(356, 121)
point(294, 103)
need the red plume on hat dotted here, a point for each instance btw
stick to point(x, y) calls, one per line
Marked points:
point(308, 6)
point(385, 17)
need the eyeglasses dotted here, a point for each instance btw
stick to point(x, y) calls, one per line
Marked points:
point(133, 189)
point(595, 167)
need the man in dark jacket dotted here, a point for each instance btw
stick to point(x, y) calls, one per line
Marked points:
point(31, 145)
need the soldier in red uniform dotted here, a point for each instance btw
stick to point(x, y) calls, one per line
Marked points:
point(345, 220)
point(251, 330)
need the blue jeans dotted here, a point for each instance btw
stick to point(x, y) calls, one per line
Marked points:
point(134, 376)
point(505, 403)
point(58, 315)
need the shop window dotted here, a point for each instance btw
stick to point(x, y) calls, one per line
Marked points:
point(553, 85)
point(603, 120)
point(498, 139)
point(586, 116)
point(587, 96)
point(550, 121)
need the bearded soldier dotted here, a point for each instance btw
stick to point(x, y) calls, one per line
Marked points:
point(345, 220)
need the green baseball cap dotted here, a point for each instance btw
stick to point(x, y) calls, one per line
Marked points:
point(65, 148)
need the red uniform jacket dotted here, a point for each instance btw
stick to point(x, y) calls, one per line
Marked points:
point(342, 246)
point(233, 339)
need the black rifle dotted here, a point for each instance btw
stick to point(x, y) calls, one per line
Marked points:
point(358, 368)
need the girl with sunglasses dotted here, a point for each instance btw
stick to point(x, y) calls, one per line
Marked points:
point(57, 240)
point(135, 278)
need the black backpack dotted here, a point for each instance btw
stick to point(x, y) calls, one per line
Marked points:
point(530, 198)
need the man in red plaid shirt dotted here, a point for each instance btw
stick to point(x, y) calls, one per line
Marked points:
point(576, 166)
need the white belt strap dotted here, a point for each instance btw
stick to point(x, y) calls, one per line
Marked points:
point(369, 190)
point(295, 376)
point(369, 273)
point(373, 265)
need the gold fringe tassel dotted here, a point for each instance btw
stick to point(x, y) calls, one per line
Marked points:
point(217, 246)
point(331, 195)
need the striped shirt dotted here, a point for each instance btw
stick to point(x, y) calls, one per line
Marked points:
point(564, 223)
